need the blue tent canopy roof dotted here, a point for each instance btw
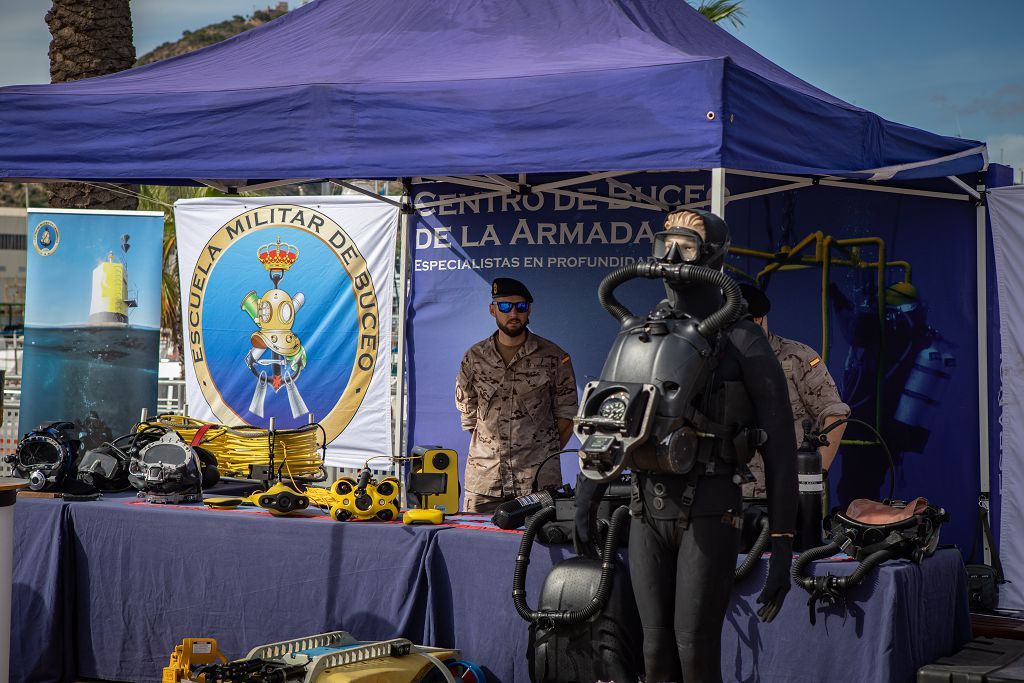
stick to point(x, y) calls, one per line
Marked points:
point(340, 88)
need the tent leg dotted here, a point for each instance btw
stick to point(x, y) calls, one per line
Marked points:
point(718, 192)
point(398, 405)
point(982, 303)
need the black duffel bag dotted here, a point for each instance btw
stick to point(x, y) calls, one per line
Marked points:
point(983, 580)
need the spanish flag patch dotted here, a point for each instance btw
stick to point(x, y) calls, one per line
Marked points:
point(815, 361)
point(565, 359)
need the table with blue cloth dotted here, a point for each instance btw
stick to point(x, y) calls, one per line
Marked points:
point(106, 589)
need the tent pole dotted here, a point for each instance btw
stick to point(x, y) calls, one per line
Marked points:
point(982, 287)
point(368, 193)
point(718, 192)
point(403, 285)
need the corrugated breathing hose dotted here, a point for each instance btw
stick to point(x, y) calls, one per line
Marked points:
point(755, 553)
point(552, 618)
point(727, 314)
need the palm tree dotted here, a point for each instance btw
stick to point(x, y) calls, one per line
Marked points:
point(162, 198)
point(720, 10)
point(90, 38)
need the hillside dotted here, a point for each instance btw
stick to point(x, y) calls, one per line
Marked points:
point(13, 194)
point(214, 33)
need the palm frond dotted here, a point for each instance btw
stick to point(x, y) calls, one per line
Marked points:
point(720, 10)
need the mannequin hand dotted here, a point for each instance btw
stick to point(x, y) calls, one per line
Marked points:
point(778, 582)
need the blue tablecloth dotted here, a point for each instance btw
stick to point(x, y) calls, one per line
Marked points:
point(107, 589)
point(41, 613)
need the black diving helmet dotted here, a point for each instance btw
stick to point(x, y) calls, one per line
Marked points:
point(104, 468)
point(46, 455)
point(169, 470)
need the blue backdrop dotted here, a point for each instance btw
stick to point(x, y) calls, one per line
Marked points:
point(562, 247)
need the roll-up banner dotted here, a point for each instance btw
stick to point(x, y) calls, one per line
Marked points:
point(92, 320)
point(286, 309)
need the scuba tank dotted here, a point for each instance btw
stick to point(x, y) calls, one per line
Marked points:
point(512, 514)
point(812, 488)
point(923, 391)
point(755, 537)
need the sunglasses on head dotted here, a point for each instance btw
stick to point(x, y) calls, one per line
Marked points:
point(506, 306)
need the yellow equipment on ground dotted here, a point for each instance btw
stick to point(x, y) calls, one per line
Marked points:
point(336, 657)
point(192, 652)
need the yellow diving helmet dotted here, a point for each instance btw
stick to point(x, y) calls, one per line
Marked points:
point(275, 315)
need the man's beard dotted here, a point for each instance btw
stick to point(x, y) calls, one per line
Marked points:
point(514, 332)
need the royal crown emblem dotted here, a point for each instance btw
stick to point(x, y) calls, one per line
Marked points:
point(278, 256)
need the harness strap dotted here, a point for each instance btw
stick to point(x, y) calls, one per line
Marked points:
point(200, 433)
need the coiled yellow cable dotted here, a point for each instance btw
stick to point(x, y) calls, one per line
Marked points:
point(240, 448)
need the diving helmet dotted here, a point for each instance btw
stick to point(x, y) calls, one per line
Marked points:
point(169, 470)
point(901, 297)
point(46, 455)
point(274, 314)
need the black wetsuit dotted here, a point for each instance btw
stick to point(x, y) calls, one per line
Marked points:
point(695, 564)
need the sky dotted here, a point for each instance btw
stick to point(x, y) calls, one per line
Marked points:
point(949, 66)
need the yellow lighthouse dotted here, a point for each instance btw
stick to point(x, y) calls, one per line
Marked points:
point(110, 302)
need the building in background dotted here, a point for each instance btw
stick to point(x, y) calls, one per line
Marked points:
point(12, 267)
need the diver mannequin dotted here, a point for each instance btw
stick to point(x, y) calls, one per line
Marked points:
point(703, 403)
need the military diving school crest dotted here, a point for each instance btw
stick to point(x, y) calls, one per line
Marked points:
point(274, 314)
point(283, 320)
point(45, 238)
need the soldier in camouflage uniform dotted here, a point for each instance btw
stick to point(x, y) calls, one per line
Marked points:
point(812, 391)
point(517, 395)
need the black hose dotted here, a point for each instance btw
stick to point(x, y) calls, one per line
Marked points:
point(866, 565)
point(606, 290)
point(733, 307)
point(551, 618)
point(681, 273)
point(523, 559)
point(755, 553)
point(881, 441)
point(805, 558)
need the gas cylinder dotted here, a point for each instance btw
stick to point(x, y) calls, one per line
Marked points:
point(923, 392)
point(811, 488)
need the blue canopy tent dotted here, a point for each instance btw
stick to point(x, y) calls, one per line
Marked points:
point(482, 93)
point(340, 88)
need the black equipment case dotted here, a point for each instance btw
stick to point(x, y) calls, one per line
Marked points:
point(983, 660)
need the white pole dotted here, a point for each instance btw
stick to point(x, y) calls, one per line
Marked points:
point(982, 303)
point(397, 448)
point(718, 192)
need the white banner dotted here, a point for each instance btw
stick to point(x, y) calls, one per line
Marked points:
point(286, 308)
point(1006, 207)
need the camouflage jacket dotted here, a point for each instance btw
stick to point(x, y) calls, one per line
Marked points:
point(812, 393)
point(513, 414)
